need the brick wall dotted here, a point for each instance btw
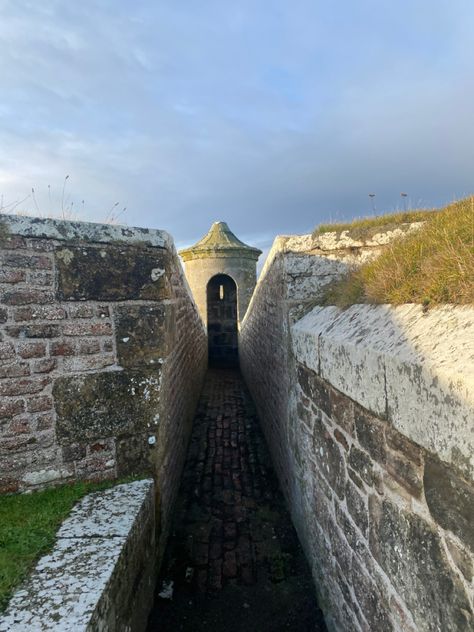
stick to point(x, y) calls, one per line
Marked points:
point(102, 355)
point(368, 415)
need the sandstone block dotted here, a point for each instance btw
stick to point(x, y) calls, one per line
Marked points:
point(98, 405)
point(144, 334)
point(450, 499)
point(410, 551)
point(111, 273)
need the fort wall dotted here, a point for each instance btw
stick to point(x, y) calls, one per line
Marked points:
point(369, 416)
point(102, 356)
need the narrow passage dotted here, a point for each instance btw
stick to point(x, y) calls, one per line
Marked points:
point(233, 556)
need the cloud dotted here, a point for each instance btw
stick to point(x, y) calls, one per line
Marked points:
point(271, 117)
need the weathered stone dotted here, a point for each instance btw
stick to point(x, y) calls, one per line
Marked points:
point(371, 434)
point(341, 439)
point(405, 473)
point(105, 404)
point(357, 507)
point(314, 388)
point(133, 454)
point(112, 273)
point(411, 553)
point(373, 604)
point(361, 463)
point(330, 458)
point(450, 499)
point(144, 334)
point(342, 410)
point(463, 560)
point(400, 443)
point(101, 572)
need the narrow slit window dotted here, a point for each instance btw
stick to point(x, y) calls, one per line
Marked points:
point(221, 292)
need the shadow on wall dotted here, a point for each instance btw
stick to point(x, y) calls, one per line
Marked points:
point(368, 414)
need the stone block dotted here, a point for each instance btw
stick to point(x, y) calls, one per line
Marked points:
point(371, 434)
point(405, 473)
point(330, 458)
point(373, 604)
point(112, 273)
point(133, 454)
point(411, 553)
point(144, 334)
point(450, 499)
point(362, 464)
point(342, 410)
point(463, 560)
point(357, 507)
point(98, 405)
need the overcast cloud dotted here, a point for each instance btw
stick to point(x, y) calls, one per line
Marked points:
point(271, 115)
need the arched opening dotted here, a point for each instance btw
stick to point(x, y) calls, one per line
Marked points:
point(222, 321)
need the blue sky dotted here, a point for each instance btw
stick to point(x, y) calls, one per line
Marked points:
point(271, 115)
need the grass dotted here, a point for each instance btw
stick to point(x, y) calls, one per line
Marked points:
point(28, 525)
point(366, 227)
point(434, 265)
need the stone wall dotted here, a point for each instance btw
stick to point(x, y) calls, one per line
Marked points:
point(102, 355)
point(101, 572)
point(381, 429)
point(368, 414)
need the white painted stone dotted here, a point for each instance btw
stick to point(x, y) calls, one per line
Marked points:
point(65, 230)
point(417, 368)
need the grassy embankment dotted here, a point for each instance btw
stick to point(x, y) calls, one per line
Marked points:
point(28, 525)
point(431, 266)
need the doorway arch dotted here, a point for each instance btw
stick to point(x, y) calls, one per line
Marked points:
point(222, 321)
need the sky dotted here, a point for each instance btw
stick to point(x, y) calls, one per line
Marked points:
point(271, 115)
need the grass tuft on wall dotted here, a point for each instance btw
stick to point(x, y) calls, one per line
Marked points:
point(434, 265)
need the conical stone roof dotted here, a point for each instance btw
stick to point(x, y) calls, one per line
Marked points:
point(220, 241)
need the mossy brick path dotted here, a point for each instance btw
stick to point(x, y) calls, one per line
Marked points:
point(233, 555)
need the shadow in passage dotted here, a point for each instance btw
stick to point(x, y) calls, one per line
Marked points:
point(233, 561)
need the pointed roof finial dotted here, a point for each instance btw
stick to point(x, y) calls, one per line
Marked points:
point(220, 241)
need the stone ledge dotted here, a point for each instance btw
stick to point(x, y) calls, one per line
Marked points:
point(65, 230)
point(100, 574)
point(412, 368)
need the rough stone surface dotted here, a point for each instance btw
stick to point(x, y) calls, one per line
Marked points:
point(450, 499)
point(368, 415)
point(111, 274)
point(88, 232)
point(410, 551)
point(144, 334)
point(102, 355)
point(101, 572)
point(414, 368)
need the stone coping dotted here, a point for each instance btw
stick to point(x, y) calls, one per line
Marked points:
point(411, 367)
point(65, 230)
point(70, 585)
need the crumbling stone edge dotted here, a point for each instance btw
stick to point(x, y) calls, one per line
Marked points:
point(101, 572)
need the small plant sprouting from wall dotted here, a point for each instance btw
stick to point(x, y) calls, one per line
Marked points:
point(59, 205)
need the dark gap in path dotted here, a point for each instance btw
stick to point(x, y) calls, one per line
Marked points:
point(233, 555)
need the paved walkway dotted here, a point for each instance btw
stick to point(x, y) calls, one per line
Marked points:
point(233, 558)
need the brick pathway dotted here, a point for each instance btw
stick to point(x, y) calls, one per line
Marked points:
point(233, 556)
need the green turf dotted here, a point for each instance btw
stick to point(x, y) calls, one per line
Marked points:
point(28, 525)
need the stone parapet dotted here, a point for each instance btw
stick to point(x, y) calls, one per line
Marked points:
point(101, 572)
point(102, 355)
point(369, 417)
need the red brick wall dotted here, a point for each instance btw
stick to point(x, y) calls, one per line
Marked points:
point(101, 352)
